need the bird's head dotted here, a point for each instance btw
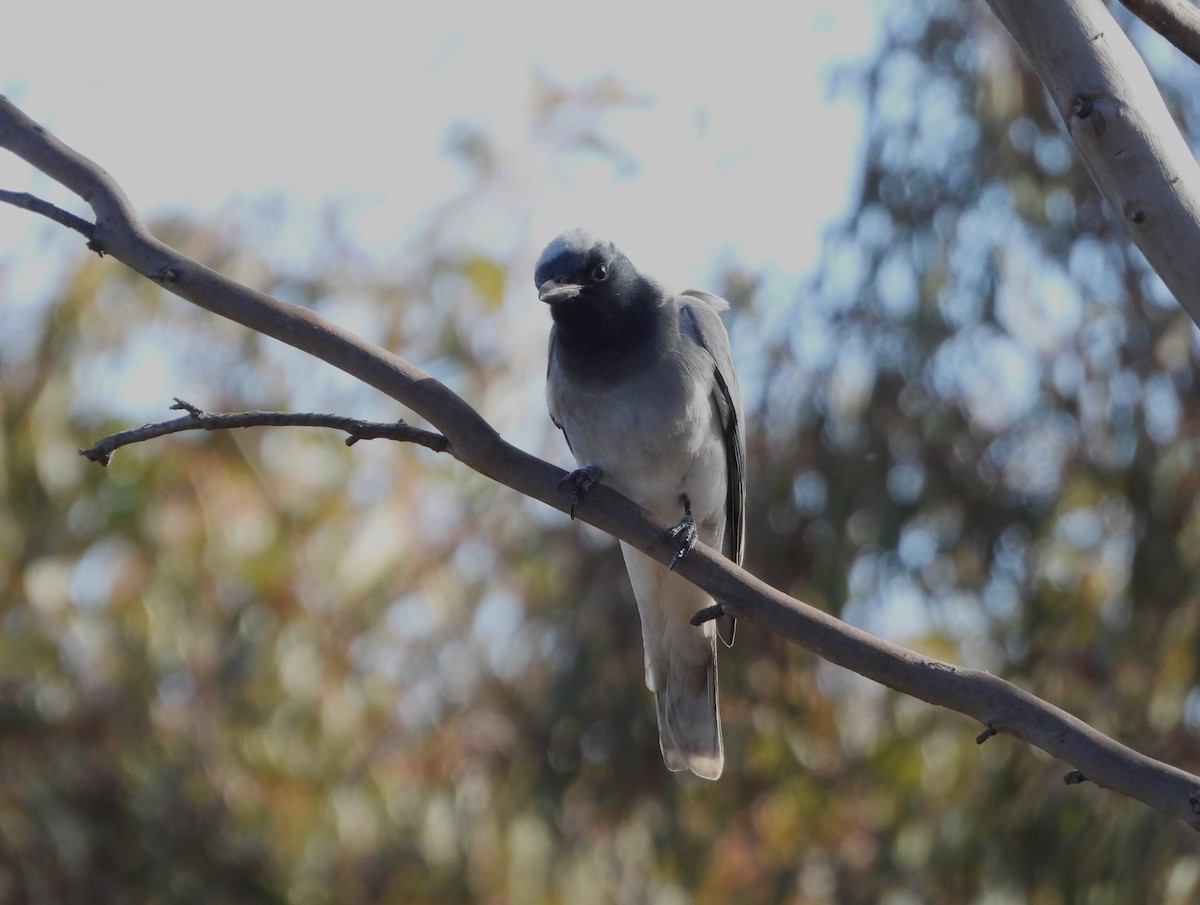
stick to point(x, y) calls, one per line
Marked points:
point(578, 270)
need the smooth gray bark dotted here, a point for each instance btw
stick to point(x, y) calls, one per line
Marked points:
point(1121, 126)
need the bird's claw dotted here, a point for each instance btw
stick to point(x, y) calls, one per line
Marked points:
point(684, 534)
point(581, 481)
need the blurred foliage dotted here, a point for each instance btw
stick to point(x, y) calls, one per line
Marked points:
point(263, 667)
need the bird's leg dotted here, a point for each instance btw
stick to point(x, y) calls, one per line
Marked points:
point(581, 480)
point(684, 533)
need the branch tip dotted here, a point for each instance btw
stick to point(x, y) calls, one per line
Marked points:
point(98, 455)
point(987, 733)
point(708, 614)
point(182, 405)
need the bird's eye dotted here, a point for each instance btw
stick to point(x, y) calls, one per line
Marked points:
point(600, 273)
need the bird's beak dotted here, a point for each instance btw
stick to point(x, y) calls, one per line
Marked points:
point(552, 292)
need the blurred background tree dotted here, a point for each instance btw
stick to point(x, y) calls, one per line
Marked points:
point(260, 666)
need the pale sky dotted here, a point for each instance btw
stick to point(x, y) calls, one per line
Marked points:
point(740, 152)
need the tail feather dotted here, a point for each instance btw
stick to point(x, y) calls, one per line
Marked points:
point(689, 725)
point(681, 666)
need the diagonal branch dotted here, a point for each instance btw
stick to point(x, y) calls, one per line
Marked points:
point(102, 451)
point(1000, 706)
point(1176, 20)
point(1121, 128)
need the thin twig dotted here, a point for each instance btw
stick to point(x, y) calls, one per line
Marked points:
point(198, 419)
point(46, 209)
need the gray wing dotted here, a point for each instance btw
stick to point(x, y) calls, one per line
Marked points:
point(704, 324)
point(555, 416)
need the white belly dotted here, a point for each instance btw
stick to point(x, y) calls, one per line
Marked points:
point(654, 438)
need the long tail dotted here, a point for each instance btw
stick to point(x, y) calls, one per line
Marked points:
point(689, 723)
point(681, 666)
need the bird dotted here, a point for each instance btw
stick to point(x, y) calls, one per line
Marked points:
point(640, 380)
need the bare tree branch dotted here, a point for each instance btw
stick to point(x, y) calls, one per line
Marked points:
point(1176, 20)
point(1000, 706)
point(46, 209)
point(102, 451)
point(1121, 127)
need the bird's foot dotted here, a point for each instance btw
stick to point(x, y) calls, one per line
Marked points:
point(684, 534)
point(581, 481)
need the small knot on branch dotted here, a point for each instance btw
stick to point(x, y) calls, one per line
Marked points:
point(940, 665)
point(1085, 108)
point(1134, 211)
point(1074, 778)
point(987, 733)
